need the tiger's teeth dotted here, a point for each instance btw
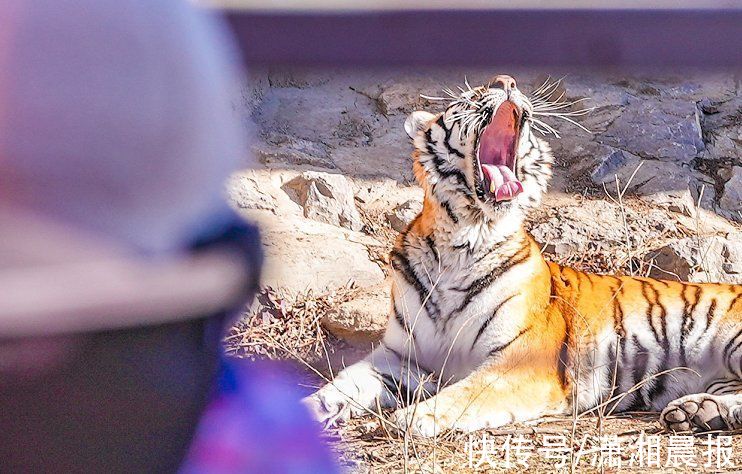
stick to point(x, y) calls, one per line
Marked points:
point(492, 187)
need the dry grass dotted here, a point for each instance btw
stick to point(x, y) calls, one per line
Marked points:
point(363, 446)
point(286, 325)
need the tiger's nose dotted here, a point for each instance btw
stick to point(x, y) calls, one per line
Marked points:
point(504, 82)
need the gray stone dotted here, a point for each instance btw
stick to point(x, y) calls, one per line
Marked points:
point(403, 214)
point(665, 129)
point(325, 198)
point(278, 149)
point(303, 254)
point(640, 176)
point(731, 198)
point(596, 226)
point(721, 122)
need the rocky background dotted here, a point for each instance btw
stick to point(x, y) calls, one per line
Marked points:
point(655, 189)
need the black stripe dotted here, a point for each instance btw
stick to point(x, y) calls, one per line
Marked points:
point(441, 123)
point(657, 385)
point(734, 302)
point(711, 313)
point(490, 318)
point(440, 165)
point(618, 313)
point(649, 314)
point(729, 390)
point(722, 384)
point(397, 388)
point(484, 282)
point(401, 320)
point(433, 249)
point(728, 353)
point(662, 315)
point(505, 346)
point(640, 365)
point(447, 207)
point(618, 317)
point(393, 351)
point(688, 318)
point(401, 264)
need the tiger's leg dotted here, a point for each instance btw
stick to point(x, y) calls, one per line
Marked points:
point(383, 379)
point(719, 409)
point(484, 400)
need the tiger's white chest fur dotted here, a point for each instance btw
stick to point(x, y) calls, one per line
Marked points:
point(454, 324)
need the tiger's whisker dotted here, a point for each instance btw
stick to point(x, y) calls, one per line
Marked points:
point(428, 97)
point(466, 81)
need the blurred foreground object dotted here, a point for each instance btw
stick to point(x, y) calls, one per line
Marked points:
point(120, 262)
point(256, 424)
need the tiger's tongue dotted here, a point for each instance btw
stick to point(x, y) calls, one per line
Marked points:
point(503, 183)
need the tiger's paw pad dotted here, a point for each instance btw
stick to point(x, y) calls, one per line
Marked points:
point(698, 412)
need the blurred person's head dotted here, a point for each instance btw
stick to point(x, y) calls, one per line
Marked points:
point(115, 119)
point(116, 116)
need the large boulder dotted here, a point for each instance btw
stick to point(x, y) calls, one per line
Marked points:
point(326, 198)
point(303, 254)
point(642, 177)
point(592, 235)
point(663, 129)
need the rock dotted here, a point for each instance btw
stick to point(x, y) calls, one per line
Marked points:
point(722, 128)
point(731, 198)
point(732, 254)
point(403, 214)
point(304, 254)
point(280, 148)
point(326, 198)
point(704, 259)
point(639, 176)
point(245, 191)
point(595, 226)
point(363, 319)
point(678, 201)
point(664, 129)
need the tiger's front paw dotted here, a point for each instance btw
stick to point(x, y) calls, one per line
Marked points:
point(328, 406)
point(419, 421)
point(697, 412)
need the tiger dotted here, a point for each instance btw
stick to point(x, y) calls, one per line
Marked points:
point(483, 331)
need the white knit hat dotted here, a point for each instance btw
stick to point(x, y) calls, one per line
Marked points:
point(116, 121)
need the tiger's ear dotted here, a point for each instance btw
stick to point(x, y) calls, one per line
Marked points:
point(416, 121)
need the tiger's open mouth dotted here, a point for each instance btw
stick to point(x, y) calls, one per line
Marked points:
point(496, 154)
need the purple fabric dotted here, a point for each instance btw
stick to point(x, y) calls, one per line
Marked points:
point(255, 423)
